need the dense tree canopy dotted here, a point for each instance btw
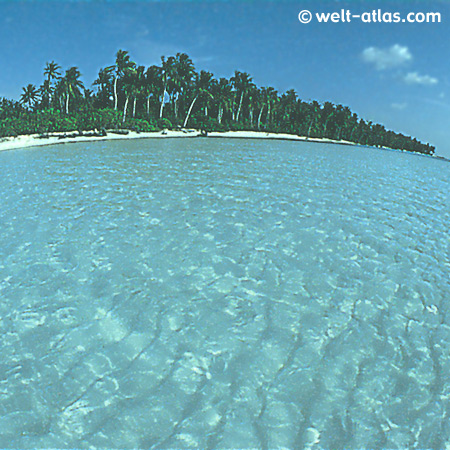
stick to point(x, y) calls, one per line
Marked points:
point(174, 94)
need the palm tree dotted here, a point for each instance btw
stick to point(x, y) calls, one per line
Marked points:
point(364, 132)
point(314, 113)
point(152, 84)
point(128, 82)
point(378, 136)
point(288, 108)
point(10, 108)
point(263, 100)
point(182, 78)
point(191, 94)
point(254, 102)
point(51, 71)
point(138, 85)
point(133, 86)
point(88, 96)
point(104, 81)
point(29, 95)
point(209, 99)
point(242, 82)
point(351, 124)
point(203, 84)
point(45, 92)
point(270, 96)
point(123, 62)
point(328, 111)
point(71, 85)
point(167, 70)
point(346, 122)
point(224, 97)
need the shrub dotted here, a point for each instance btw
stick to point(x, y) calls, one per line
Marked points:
point(205, 123)
point(103, 118)
point(139, 125)
point(164, 123)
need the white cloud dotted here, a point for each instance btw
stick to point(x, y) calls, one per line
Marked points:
point(399, 106)
point(415, 78)
point(387, 58)
point(432, 101)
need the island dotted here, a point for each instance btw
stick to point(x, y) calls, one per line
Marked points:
point(173, 99)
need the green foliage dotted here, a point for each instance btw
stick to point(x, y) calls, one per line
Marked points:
point(131, 97)
point(99, 119)
point(205, 123)
point(140, 125)
point(164, 123)
point(240, 126)
point(224, 126)
point(8, 127)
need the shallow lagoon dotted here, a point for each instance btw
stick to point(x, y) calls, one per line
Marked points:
point(202, 293)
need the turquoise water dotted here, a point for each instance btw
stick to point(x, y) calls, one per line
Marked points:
point(202, 293)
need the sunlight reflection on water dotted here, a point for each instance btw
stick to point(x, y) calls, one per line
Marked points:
point(217, 293)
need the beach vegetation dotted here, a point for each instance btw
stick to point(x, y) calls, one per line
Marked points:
point(175, 95)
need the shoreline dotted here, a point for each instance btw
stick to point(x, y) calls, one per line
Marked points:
point(33, 140)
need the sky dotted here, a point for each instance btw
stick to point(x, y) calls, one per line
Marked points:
point(396, 74)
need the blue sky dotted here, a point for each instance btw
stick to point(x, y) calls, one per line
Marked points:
point(394, 74)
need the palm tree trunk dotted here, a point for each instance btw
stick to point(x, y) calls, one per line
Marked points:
point(162, 103)
point(134, 106)
point(189, 112)
point(125, 109)
point(260, 115)
point(206, 111)
point(115, 93)
point(148, 105)
point(219, 116)
point(310, 126)
point(239, 109)
point(49, 92)
point(325, 127)
point(67, 104)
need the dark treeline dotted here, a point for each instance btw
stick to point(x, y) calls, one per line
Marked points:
point(174, 94)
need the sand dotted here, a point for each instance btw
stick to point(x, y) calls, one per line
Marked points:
point(33, 140)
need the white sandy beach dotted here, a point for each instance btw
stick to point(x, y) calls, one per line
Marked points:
point(33, 140)
point(278, 136)
point(20, 142)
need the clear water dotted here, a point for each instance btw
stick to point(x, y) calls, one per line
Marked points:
point(224, 294)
